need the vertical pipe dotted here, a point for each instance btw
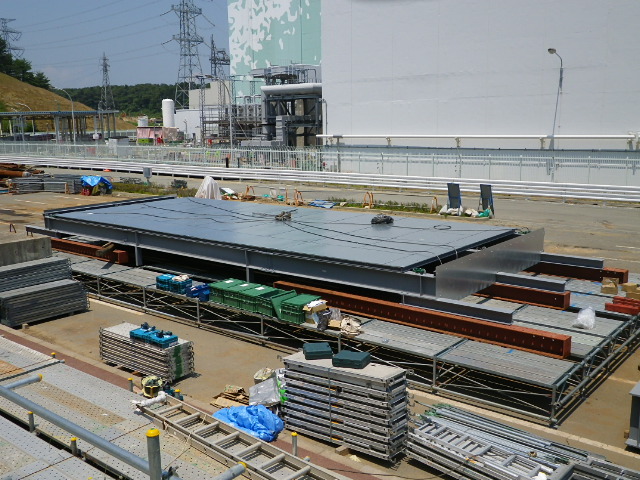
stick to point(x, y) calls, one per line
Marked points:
point(74, 446)
point(197, 310)
point(32, 423)
point(153, 452)
point(294, 444)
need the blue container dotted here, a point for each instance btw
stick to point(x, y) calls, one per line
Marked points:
point(200, 292)
point(180, 286)
point(163, 282)
point(153, 336)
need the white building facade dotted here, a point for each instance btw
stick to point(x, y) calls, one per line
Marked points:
point(481, 67)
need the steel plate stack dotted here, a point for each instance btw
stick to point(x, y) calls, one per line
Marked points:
point(447, 438)
point(42, 301)
point(72, 183)
point(363, 409)
point(25, 185)
point(34, 272)
point(169, 363)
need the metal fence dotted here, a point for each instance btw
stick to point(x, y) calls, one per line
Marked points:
point(621, 168)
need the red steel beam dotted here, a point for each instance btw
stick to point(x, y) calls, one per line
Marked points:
point(583, 273)
point(88, 250)
point(521, 338)
point(530, 296)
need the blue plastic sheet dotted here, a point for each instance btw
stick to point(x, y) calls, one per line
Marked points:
point(255, 420)
point(93, 180)
point(322, 204)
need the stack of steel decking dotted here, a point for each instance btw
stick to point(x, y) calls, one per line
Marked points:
point(38, 290)
point(363, 409)
point(40, 183)
point(169, 363)
point(468, 446)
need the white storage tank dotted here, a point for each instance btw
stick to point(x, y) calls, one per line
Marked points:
point(168, 113)
point(143, 121)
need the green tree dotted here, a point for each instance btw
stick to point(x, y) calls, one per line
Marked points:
point(6, 59)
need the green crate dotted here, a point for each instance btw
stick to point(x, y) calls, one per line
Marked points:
point(266, 304)
point(233, 296)
point(250, 297)
point(292, 309)
point(219, 289)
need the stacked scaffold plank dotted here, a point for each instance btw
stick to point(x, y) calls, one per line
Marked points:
point(39, 290)
point(42, 301)
point(470, 447)
point(34, 272)
point(170, 363)
point(363, 409)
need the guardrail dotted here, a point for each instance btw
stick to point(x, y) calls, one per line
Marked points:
point(561, 191)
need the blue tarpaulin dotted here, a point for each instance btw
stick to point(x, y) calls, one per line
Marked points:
point(93, 180)
point(256, 420)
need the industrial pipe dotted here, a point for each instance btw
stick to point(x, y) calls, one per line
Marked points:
point(76, 430)
point(23, 382)
point(233, 472)
point(153, 452)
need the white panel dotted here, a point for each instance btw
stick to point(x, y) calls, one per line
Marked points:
point(480, 67)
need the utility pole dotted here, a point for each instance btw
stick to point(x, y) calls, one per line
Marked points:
point(188, 39)
point(10, 35)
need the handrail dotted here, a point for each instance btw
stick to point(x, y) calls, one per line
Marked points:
point(507, 187)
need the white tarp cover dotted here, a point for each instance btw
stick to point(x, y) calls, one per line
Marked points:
point(209, 189)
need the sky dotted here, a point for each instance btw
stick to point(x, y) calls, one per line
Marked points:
point(66, 39)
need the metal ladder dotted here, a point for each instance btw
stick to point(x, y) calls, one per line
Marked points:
point(230, 446)
point(442, 446)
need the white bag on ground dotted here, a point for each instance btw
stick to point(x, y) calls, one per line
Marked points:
point(586, 319)
point(209, 189)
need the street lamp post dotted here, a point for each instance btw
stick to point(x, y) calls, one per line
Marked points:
point(552, 51)
point(33, 123)
point(73, 116)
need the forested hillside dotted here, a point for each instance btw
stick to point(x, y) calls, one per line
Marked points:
point(133, 100)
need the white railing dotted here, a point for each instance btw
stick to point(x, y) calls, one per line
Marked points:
point(577, 174)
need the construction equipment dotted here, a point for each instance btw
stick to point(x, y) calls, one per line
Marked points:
point(152, 385)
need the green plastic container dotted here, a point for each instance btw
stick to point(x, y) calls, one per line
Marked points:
point(267, 304)
point(233, 296)
point(219, 289)
point(292, 309)
point(250, 297)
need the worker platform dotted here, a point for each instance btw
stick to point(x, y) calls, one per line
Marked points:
point(529, 384)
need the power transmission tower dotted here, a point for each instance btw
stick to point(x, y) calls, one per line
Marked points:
point(106, 95)
point(218, 58)
point(188, 39)
point(10, 35)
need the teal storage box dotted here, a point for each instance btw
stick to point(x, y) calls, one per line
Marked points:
point(317, 350)
point(349, 359)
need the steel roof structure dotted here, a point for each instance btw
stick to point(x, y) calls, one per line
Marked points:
point(314, 243)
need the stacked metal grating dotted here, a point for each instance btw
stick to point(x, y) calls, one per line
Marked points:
point(26, 274)
point(169, 363)
point(72, 183)
point(470, 447)
point(25, 185)
point(42, 183)
point(364, 409)
point(42, 301)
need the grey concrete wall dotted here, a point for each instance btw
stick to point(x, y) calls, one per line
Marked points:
point(24, 250)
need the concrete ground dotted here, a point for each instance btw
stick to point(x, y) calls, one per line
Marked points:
point(594, 230)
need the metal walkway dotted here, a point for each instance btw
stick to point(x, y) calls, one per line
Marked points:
point(540, 388)
point(230, 446)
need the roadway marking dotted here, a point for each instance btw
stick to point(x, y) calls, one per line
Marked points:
point(31, 201)
point(622, 380)
point(627, 246)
